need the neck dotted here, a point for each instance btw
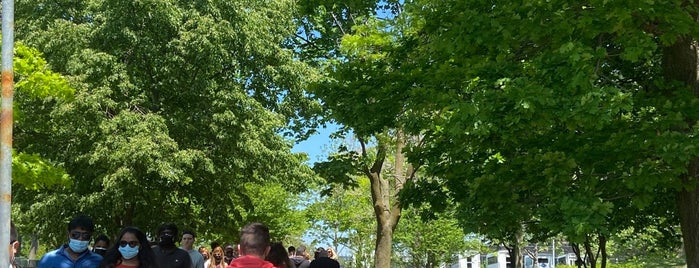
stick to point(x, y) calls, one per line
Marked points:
point(130, 262)
point(73, 254)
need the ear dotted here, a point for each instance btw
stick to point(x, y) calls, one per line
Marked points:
point(240, 251)
point(267, 251)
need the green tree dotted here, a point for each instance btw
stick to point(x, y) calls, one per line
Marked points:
point(596, 99)
point(343, 219)
point(430, 242)
point(178, 106)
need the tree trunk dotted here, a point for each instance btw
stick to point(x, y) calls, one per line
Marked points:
point(688, 205)
point(34, 247)
point(578, 255)
point(516, 258)
point(515, 251)
point(680, 64)
point(589, 253)
point(386, 207)
point(603, 250)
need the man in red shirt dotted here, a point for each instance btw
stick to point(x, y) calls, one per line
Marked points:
point(253, 247)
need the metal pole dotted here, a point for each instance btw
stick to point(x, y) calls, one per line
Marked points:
point(8, 45)
point(553, 252)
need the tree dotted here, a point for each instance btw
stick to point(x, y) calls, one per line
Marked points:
point(421, 242)
point(362, 93)
point(178, 106)
point(343, 218)
point(597, 98)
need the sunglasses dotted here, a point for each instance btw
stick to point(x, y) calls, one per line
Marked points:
point(132, 244)
point(80, 235)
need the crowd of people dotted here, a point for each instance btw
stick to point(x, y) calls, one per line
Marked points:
point(132, 249)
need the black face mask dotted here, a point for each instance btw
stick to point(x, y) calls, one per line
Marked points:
point(167, 241)
point(100, 251)
point(218, 257)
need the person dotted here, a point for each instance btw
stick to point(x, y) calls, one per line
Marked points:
point(331, 254)
point(253, 247)
point(204, 253)
point(101, 245)
point(14, 244)
point(131, 251)
point(229, 253)
point(167, 255)
point(279, 256)
point(187, 244)
point(214, 245)
point(300, 260)
point(292, 251)
point(216, 260)
point(321, 260)
point(74, 253)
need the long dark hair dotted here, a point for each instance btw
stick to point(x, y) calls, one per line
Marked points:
point(146, 257)
point(279, 256)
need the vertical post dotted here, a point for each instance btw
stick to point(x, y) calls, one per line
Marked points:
point(553, 252)
point(8, 44)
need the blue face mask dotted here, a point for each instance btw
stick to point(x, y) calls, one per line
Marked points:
point(128, 252)
point(78, 246)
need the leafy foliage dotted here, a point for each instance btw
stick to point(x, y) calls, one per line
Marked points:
point(177, 107)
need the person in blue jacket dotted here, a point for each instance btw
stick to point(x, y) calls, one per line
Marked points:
point(75, 253)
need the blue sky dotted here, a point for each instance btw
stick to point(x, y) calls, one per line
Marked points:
point(317, 146)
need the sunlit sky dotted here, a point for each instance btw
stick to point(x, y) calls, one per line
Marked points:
point(317, 146)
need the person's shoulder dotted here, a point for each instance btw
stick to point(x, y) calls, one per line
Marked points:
point(94, 256)
point(51, 258)
point(52, 254)
point(181, 251)
point(184, 254)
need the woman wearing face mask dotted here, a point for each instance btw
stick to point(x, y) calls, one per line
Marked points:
point(216, 260)
point(130, 250)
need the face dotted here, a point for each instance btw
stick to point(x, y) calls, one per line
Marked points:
point(217, 254)
point(80, 233)
point(129, 239)
point(100, 244)
point(100, 247)
point(229, 252)
point(204, 253)
point(187, 241)
point(331, 253)
point(166, 236)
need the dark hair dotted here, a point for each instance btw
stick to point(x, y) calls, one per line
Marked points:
point(320, 252)
point(189, 232)
point(254, 239)
point(13, 233)
point(168, 226)
point(214, 245)
point(102, 238)
point(146, 257)
point(81, 221)
point(278, 256)
point(291, 249)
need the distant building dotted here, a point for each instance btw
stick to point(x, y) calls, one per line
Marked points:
point(501, 259)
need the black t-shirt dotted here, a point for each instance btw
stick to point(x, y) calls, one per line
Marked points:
point(172, 258)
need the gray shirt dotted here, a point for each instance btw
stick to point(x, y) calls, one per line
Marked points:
point(197, 258)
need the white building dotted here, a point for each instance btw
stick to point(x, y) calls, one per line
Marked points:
point(501, 259)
